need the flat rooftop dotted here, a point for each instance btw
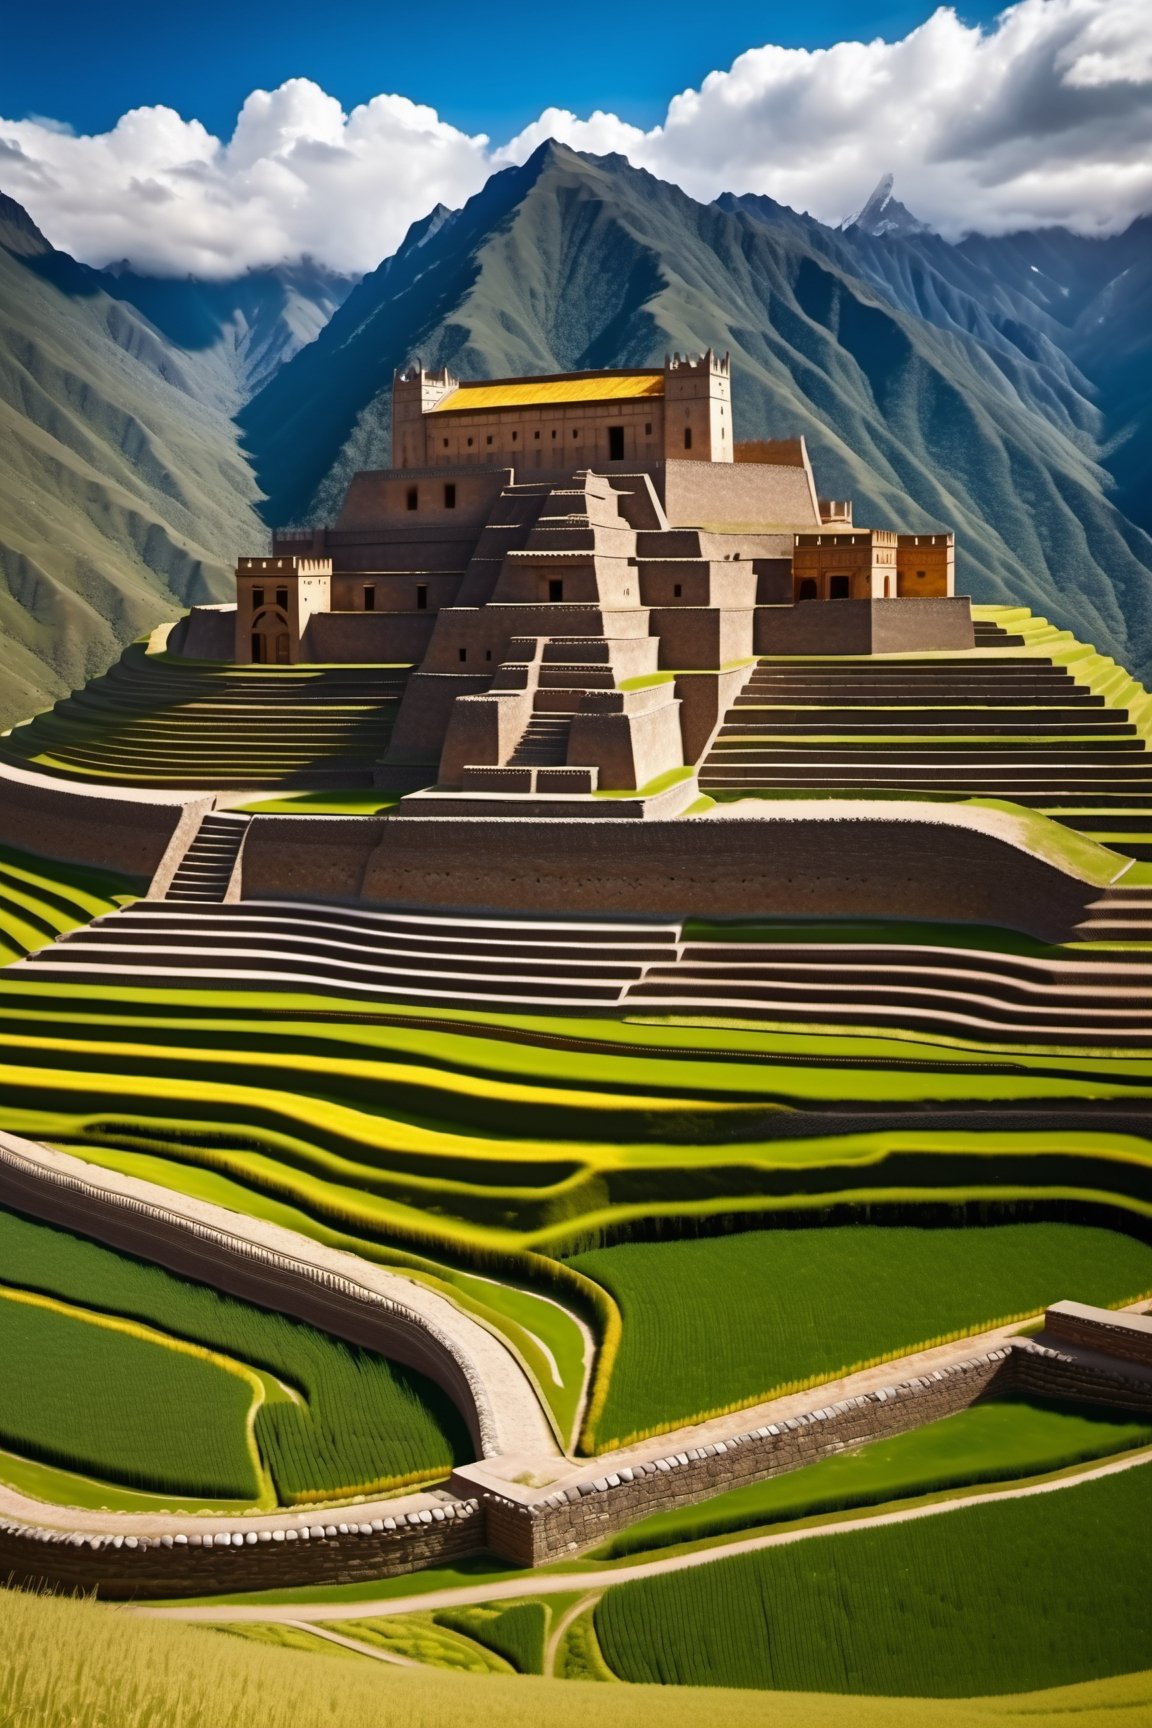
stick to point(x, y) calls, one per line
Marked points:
point(558, 389)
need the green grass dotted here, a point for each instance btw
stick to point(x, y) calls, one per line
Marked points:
point(333, 1421)
point(122, 1407)
point(515, 1631)
point(714, 1324)
point(41, 898)
point(996, 1442)
point(73, 1663)
point(661, 783)
point(352, 803)
point(1041, 1591)
point(426, 1638)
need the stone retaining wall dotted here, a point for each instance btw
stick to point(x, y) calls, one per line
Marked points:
point(248, 1270)
point(127, 831)
point(188, 1563)
point(560, 1524)
point(1127, 1336)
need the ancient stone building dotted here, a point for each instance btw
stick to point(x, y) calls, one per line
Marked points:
point(580, 570)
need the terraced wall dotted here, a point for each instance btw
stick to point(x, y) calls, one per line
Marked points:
point(944, 864)
point(125, 831)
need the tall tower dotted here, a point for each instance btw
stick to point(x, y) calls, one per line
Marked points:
point(697, 408)
point(414, 393)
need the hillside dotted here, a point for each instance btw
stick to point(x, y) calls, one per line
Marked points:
point(123, 494)
point(913, 372)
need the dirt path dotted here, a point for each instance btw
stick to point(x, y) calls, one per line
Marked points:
point(552, 1648)
point(556, 1583)
point(355, 1644)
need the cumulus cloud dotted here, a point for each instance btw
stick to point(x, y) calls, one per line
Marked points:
point(1043, 117)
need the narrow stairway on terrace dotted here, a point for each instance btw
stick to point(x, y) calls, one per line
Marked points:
point(543, 742)
point(1002, 724)
point(206, 868)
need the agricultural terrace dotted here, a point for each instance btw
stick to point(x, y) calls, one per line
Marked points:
point(40, 899)
point(128, 1388)
point(1021, 1593)
point(156, 719)
point(489, 1155)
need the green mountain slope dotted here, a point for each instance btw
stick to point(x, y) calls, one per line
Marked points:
point(123, 493)
point(574, 261)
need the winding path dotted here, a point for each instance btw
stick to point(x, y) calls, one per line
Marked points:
point(563, 1583)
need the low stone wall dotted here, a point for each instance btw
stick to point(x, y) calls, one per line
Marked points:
point(387, 638)
point(204, 633)
point(315, 857)
point(1126, 1336)
point(188, 1563)
point(125, 831)
point(897, 626)
point(948, 867)
point(38, 1183)
point(577, 1517)
point(1041, 1371)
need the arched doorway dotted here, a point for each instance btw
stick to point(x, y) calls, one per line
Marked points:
point(808, 588)
point(271, 641)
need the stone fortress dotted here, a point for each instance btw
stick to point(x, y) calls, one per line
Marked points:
point(581, 570)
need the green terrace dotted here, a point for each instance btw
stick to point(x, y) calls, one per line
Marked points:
point(1030, 716)
point(158, 720)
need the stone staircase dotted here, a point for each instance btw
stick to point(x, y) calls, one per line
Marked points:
point(543, 743)
point(206, 868)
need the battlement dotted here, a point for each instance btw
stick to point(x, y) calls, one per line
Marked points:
point(718, 365)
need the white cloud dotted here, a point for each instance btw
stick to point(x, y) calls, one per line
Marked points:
point(1043, 117)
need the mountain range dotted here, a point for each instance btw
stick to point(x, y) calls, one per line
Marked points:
point(998, 386)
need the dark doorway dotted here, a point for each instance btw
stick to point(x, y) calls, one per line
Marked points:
point(450, 495)
point(257, 648)
point(808, 589)
point(556, 589)
point(422, 597)
point(839, 587)
point(615, 443)
point(369, 597)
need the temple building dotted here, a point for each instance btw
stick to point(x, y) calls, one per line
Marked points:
point(580, 570)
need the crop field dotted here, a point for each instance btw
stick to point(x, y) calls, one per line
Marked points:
point(40, 899)
point(490, 1155)
point(244, 1404)
point(1002, 1441)
point(711, 1324)
point(994, 1598)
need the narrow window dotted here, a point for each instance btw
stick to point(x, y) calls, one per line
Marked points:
point(647, 428)
point(445, 443)
point(369, 597)
point(257, 599)
point(422, 597)
point(463, 653)
point(515, 436)
point(536, 435)
point(413, 498)
point(487, 653)
point(469, 443)
point(920, 575)
point(556, 589)
point(687, 437)
point(677, 591)
point(282, 598)
point(488, 440)
point(257, 648)
point(553, 431)
point(449, 494)
point(615, 443)
point(839, 587)
point(575, 432)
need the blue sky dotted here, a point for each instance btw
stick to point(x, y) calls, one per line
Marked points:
point(484, 67)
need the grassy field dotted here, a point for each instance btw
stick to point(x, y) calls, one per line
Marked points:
point(247, 1404)
point(711, 1324)
point(107, 1668)
point(996, 1442)
point(40, 898)
point(482, 1159)
point(993, 1598)
point(127, 1406)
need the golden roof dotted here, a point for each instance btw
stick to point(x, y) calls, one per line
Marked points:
point(548, 392)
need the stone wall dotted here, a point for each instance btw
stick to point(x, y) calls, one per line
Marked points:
point(186, 1562)
point(532, 1532)
point(383, 638)
point(952, 866)
point(865, 626)
point(126, 831)
point(1125, 1336)
point(739, 495)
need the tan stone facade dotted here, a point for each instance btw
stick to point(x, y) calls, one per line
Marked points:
point(576, 567)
